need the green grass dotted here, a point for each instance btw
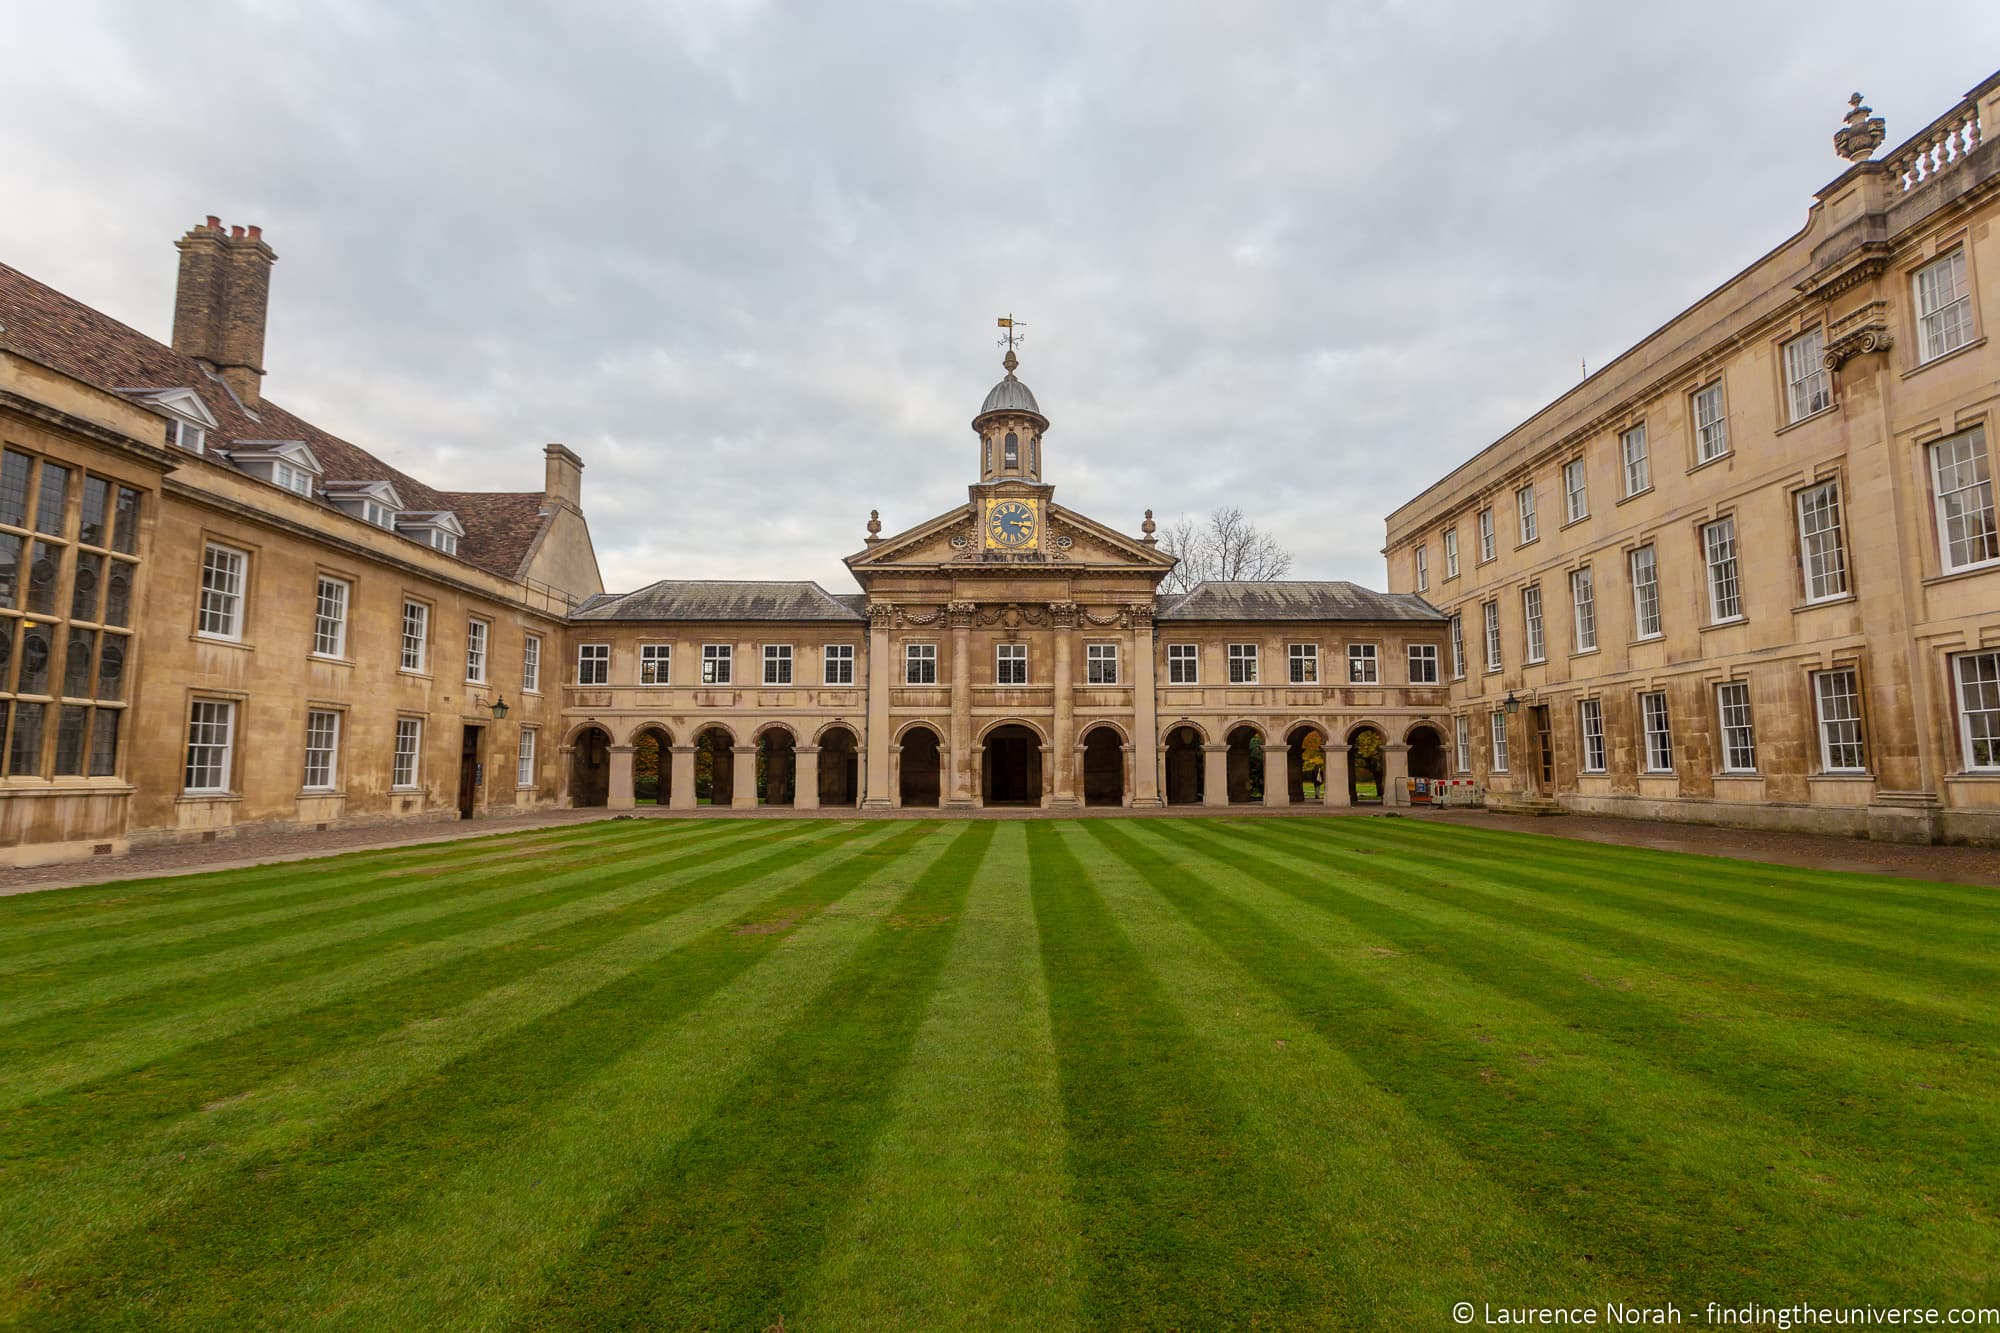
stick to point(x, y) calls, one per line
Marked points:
point(1158, 1073)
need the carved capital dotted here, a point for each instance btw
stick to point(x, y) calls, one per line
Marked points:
point(1063, 614)
point(961, 614)
point(1857, 342)
point(1141, 614)
point(882, 615)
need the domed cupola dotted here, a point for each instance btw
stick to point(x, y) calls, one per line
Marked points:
point(1010, 426)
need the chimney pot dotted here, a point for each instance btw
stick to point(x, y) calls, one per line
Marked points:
point(214, 222)
point(236, 233)
point(256, 233)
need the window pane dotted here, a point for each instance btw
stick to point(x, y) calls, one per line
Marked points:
point(14, 488)
point(77, 661)
point(24, 751)
point(10, 570)
point(1979, 708)
point(1819, 537)
point(111, 667)
point(72, 727)
point(44, 573)
point(96, 498)
point(104, 742)
point(125, 529)
point(52, 499)
point(37, 647)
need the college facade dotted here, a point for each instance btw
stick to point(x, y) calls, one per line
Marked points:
point(1749, 572)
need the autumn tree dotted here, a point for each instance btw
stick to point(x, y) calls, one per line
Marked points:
point(1225, 545)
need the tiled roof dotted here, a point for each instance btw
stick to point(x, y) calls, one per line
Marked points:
point(720, 599)
point(1293, 599)
point(86, 344)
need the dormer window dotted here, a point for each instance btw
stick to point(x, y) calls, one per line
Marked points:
point(373, 502)
point(286, 463)
point(437, 529)
point(188, 419)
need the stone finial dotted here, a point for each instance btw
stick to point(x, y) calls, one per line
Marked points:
point(1861, 135)
point(874, 526)
point(1149, 528)
point(1010, 362)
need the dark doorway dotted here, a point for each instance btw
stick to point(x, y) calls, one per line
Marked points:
point(589, 768)
point(1305, 764)
point(919, 784)
point(471, 772)
point(1184, 767)
point(1103, 767)
point(714, 768)
point(1545, 751)
point(839, 767)
point(1013, 766)
point(1246, 766)
point(776, 767)
point(652, 767)
point(1365, 765)
point(1427, 754)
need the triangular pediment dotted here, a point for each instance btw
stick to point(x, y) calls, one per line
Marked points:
point(953, 540)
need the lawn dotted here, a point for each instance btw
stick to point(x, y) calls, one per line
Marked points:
point(1187, 1073)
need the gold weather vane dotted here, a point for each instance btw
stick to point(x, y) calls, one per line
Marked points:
point(1011, 339)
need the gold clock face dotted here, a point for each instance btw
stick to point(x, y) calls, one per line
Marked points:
point(1013, 525)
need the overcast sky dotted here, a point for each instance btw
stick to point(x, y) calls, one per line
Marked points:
point(746, 258)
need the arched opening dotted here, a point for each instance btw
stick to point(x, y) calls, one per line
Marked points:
point(652, 766)
point(1365, 765)
point(590, 768)
point(1103, 767)
point(1246, 766)
point(839, 767)
point(919, 784)
point(714, 767)
point(777, 767)
point(1184, 766)
point(1305, 764)
point(1011, 768)
point(1427, 753)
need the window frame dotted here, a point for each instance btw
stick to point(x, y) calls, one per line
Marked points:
point(1497, 736)
point(414, 754)
point(1723, 570)
point(237, 599)
point(1663, 734)
point(1243, 664)
point(656, 664)
point(1814, 377)
point(1645, 592)
point(596, 654)
point(778, 660)
point(1450, 553)
point(478, 650)
point(832, 653)
point(1010, 660)
point(1187, 655)
point(1726, 729)
point(1461, 739)
point(421, 665)
point(525, 758)
point(1968, 743)
point(1808, 558)
point(1960, 307)
point(1576, 491)
point(338, 652)
point(920, 653)
point(1423, 559)
point(331, 780)
point(1490, 620)
point(1635, 463)
point(1364, 664)
point(718, 664)
point(1488, 544)
point(1457, 634)
point(1594, 756)
point(1974, 439)
point(1718, 424)
point(1524, 514)
point(1302, 663)
point(1821, 721)
point(225, 763)
point(531, 664)
point(1423, 652)
point(1583, 609)
point(1100, 663)
point(1533, 634)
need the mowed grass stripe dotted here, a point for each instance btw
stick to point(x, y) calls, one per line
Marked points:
point(1182, 1226)
point(1743, 1034)
point(188, 939)
point(1653, 1173)
point(228, 1014)
point(1407, 1226)
point(1710, 904)
point(729, 1228)
point(1902, 1001)
point(264, 1243)
point(477, 1249)
point(1849, 906)
point(110, 985)
point(91, 1170)
point(122, 906)
point(963, 1219)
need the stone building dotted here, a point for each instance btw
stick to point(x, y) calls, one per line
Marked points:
point(215, 615)
point(1008, 652)
point(1748, 572)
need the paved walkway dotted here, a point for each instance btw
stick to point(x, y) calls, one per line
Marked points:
point(1964, 865)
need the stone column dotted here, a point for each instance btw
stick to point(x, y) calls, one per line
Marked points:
point(1144, 789)
point(680, 785)
point(1044, 797)
point(805, 777)
point(1335, 778)
point(745, 795)
point(1395, 774)
point(879, 791)
point(1215, 774)
point(1130, 757)
point(621, 797)
point(1277, 781)
point(1062, 744)
point(958, 777)
point(894, 780)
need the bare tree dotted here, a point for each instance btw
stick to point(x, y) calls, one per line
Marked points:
point(1225, 545)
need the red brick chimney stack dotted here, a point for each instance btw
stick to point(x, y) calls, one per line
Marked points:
point(221, 302)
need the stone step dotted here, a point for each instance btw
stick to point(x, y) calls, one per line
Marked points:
point(1516, 803)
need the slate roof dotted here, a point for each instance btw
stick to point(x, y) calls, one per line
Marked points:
point(1293, 599)
point(724, 599)
point(66, 335)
